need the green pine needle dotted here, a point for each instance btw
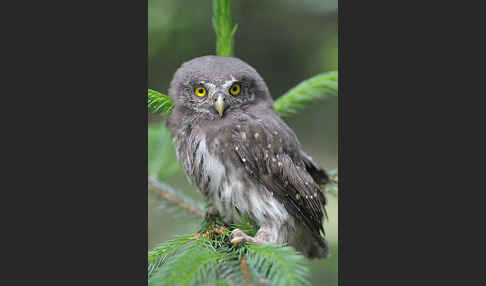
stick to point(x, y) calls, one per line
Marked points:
point(196, 265)
point(166, 247)
point(222, 283)
point(283, 266)
point(158, 102)
point(306, 92)
point(208, 258)
point(158, 255)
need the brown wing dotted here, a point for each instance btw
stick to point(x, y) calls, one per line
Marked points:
point(318, 174)
point(270, 152)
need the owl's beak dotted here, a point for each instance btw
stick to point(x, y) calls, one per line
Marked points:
point(219, 105)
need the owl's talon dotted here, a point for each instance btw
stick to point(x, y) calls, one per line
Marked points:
point(238, 241)
point(238, 237)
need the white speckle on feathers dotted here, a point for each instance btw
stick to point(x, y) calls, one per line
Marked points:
point(247, 197)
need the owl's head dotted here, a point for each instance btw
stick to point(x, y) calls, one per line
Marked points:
point(216, 85)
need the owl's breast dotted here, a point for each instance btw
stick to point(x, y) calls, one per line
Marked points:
point(229, 187)
point(211, 169)
point(210, 157)
point(215, 178)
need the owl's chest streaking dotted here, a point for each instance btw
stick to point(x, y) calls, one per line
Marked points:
point(210, 159)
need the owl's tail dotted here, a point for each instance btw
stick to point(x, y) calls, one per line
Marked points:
point(311, 244)
point(318, 248)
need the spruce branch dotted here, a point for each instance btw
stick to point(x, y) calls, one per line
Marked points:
point(174, 197)
point(196, 265)
point(306, 92)
point(281, 265)
point(158, 102)
point(244, 270)
point(158, 255)
point(214, 260)
point(223, 27)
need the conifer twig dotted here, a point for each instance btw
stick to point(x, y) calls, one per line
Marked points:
point(223, 27)
point(166, 192)
point(244, 270)
point(158, 102)
point(307, 92)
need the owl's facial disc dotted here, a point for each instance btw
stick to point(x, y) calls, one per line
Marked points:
point(222, 96)
point(217, 87)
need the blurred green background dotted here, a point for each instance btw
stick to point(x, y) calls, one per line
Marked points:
point(287, 42)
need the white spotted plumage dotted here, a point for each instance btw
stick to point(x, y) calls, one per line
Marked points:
point(245, 159)
point(229, 196)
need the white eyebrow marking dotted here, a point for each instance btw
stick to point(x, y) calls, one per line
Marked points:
point(228, 83)
point(211, 87)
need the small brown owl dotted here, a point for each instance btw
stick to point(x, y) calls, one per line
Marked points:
point(243, 158)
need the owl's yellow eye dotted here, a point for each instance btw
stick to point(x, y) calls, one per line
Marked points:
point(200, 91)
point(235, 89)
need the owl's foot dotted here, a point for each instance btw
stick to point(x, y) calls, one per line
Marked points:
point(264, 235)
point(238, 237)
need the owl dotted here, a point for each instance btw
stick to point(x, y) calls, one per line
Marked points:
point(242, 156)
